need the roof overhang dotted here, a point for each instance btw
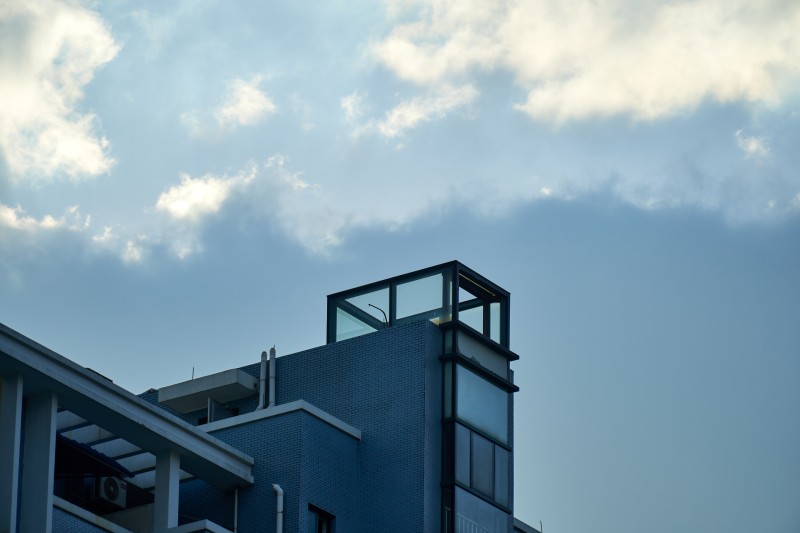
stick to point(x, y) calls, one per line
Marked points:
point(120, 412)
point(224, 387)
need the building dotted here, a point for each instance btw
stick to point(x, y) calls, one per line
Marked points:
point(402, 422)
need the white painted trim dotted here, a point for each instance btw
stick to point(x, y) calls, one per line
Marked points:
point(90, 517)
point(277, 410)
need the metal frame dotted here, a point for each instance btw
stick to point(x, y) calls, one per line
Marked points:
point(456, 275)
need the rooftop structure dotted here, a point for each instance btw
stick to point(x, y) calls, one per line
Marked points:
point(403, 421)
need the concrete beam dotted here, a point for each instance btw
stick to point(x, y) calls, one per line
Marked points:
point(10, 426)
point(38, 463)
point(165, 510)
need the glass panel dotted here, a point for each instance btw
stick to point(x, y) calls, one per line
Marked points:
point(473, 515)
point(348, 326)
point(494, 321)
point(448, 390)
point(501, 469)
point(420, 296)
point(481, 404)
point(482, 465)
point(379, 298)
point(482, 354)
point(462, 454)
point(473, 318)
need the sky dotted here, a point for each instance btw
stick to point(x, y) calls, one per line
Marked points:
point(183, 183)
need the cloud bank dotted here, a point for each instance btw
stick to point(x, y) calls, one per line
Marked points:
point(49, 51)
point(587, 59)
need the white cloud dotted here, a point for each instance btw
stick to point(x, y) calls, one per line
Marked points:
point(14, 218)
point(598, 58)
point(49, 52)
point(194, 198)
point(353, 106)
point(752, 146)
point(245, 104)
point(410, 113)
point(271, 192)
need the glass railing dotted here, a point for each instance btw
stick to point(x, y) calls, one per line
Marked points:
point(439, 294)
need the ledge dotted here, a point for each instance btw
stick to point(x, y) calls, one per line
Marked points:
point(88, 516)
point(277, 410)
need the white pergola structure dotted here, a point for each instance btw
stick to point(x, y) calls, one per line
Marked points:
point(62, 397)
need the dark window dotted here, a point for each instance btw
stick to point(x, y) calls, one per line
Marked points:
point(501, 468)
point(462, 455)
point(319, 521)
point(482, 465)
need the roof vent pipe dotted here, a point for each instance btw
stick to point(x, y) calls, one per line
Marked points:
point(262, 390)
point(272, 377)
point(279, 511)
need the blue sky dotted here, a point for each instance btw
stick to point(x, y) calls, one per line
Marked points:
point(181, 185)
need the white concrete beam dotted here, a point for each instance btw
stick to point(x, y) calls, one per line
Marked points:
point(38, 463)
point(165, 510)
point(10, 425)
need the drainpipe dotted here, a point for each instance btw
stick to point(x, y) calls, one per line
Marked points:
point(279, 514)
point(236, 510)
point(262, 391)
point(272, 377)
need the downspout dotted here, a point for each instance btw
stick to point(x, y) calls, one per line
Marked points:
point(272, 377)
point(279, 513)
point(262, 391)
point(236, 510)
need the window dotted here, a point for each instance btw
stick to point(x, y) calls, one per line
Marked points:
point(319, 521)
point(481, 404)
point(482, 465)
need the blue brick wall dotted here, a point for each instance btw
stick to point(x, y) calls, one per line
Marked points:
point(312, 461)
point(386, 384)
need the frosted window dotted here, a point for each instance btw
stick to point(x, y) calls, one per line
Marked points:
point(481, 404)
point(462, 454)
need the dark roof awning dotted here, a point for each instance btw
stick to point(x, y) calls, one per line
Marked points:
point(76, 459)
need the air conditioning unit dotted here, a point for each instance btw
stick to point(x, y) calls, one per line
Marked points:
point(112, 490)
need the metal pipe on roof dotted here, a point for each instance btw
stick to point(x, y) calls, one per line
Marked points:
point(262, 389)
point(272, 377)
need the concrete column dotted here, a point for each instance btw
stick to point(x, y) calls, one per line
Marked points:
point(38, 463)
point(165, 510)
point(10, 425)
